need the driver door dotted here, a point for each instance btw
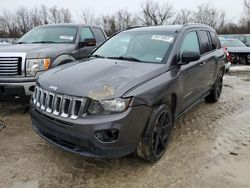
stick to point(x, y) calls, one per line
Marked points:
point(190, 74)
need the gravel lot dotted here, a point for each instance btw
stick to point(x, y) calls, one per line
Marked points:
point(210, 147)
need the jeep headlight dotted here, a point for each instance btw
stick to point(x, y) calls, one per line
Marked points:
point(36, 65)
point(108, 106)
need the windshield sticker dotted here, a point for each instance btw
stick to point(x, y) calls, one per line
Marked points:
point(64, 37)
point(163, 38)
point(158, 59)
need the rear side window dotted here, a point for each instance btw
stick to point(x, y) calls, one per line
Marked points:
point(86, 33)
point(99, 35)
point(205, 43)
point(190, 43)
point(214, 39)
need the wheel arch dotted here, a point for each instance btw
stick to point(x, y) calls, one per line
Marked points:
point(62, 59)
point(170, 101)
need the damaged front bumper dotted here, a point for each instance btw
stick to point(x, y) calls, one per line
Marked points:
point(84, 136)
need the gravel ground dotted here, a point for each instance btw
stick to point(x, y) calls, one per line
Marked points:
point(210, 147)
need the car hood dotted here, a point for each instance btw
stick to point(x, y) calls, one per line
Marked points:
point(238, 49)
point(98, 78)
point(37, 50)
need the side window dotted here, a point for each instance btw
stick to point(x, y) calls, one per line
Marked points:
point(98, 35)
point(86, 33)
point(214, 40)
point(205, 43)
point(190, 43)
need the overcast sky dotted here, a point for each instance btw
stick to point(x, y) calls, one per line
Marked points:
point(233, 8)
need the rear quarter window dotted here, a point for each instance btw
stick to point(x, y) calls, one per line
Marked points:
point(215, 40)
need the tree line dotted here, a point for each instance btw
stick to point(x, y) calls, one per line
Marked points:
point(14, 24)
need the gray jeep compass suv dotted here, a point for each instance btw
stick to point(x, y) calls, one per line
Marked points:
point(125, 98)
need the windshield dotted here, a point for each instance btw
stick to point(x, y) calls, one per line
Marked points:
point(232, 43)
point(136, 46)
point(50, 34)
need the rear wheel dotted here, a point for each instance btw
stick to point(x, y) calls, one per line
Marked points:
point(216, 90)
point(155, 139)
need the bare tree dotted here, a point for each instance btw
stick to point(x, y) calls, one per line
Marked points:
point(184, 16)
point(64, 16)
point(245, 19)
point(209, 15)
point(35, 17)
point(126, 19)
point(154, 13)
point(44, 16)
point(22, 19)
point(122, 19)
point(88, 16)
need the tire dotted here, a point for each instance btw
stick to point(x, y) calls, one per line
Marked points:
point(216, 90)
point(155, 139)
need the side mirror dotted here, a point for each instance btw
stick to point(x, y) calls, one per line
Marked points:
point(87, 42)
point(189, 56)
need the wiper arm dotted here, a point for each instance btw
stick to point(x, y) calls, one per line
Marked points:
point(21, 43)
point(44, 42)
point(97, 56)
point(128, 58)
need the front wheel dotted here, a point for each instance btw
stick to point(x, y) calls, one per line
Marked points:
point(155, 138)
point(216, 90)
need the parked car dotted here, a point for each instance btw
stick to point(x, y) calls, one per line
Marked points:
point(126, 97)
point(245, 38)
point(43, 48)
point(239, 52)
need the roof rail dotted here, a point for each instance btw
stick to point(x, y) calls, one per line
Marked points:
point(134, 27)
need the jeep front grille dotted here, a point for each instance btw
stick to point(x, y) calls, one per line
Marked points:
point(10, 66)
point(58, 105)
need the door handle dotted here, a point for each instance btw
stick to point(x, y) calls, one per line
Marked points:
point(203, 63)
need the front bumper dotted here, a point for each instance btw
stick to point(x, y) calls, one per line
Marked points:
point(79, 136)
point(17, 89)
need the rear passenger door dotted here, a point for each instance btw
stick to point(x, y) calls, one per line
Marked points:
point(208, 59)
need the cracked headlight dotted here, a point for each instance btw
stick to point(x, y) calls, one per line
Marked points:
point(108, 106)
point(36, 65)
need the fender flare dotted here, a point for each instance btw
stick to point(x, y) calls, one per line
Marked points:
point(62, 59)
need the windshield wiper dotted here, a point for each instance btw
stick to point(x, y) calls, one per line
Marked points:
point(44, 42)
point(97, 56)
point(127, 58)
point(21, 43)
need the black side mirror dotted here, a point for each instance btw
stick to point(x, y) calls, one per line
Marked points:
point(189, 56)
point(87, 42)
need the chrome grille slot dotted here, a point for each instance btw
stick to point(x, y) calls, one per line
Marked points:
point(76, 108)
point(43, 100)
point(49, 103)
point(38, 97)
point(57, 105)
point(10, 66)
point(64, 106)
point(34, 95)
